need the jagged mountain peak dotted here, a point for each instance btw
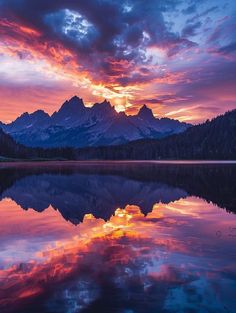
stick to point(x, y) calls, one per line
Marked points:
point(70, 111)
point(39, 113)
point(25, 114)
point(73, 104)
point(103, 110)
point(22, 119)
point(36, 114)
point(122, 114)
point(36, 119)
point(104, 104)
point(145, 113)
point(75, 125)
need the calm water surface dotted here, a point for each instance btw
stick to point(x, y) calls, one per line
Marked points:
point(117, 237)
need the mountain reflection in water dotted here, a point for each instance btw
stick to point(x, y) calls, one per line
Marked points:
point(76, 189)
point(159, 246)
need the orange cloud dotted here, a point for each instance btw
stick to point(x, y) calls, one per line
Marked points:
point(126, 239)
point(35, 66)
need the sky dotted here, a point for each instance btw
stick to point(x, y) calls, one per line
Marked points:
point(176, 56)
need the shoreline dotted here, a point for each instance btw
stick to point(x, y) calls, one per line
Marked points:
point(12, 163)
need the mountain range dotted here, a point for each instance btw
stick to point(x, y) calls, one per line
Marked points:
point(215, 139)
point(73, 189)
point(75, 125)
point(212, 140)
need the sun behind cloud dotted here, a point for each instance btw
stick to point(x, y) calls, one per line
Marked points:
point(178, 57)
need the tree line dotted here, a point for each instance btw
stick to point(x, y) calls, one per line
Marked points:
point(215, 139)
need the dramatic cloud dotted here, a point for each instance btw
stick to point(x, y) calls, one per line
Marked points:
point(95, 265)
point(114, 49)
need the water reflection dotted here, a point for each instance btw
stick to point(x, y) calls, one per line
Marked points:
point(177, 256)
point(77, 189)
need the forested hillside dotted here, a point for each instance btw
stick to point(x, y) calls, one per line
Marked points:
point(211, 140)
point(215, 139)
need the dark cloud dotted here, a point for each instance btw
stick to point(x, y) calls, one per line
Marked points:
point(171, 98)
point(222, 39)
point(101, 31)
point(183, 44)
point(195, 22)
point(210, 81)
point(228, 49)
point(189, 10)
point(203, 14)
point(191, 29)
point(130, 43)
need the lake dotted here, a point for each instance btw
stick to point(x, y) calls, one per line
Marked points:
point(118, 237)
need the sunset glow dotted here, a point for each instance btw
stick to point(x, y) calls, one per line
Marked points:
point(178, 58)
point(117, 156)
point(135, 243)
point(117, 237)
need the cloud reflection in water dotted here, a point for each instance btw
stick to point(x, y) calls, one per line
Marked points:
point(171, 260)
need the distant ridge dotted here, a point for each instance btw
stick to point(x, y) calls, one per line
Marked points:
point(212, 140)
point(10, 149)
point(75, 125)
